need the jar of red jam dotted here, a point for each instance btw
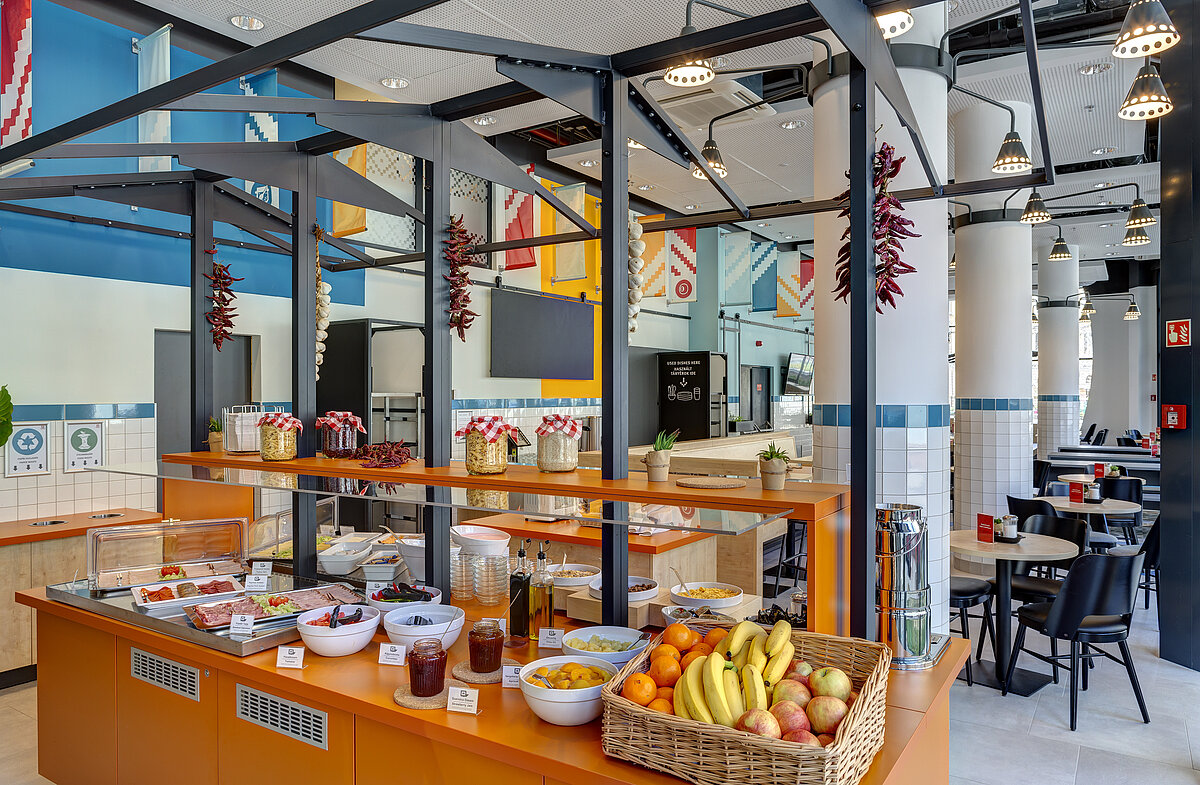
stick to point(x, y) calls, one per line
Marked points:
point(427, 668)
point(485, 642)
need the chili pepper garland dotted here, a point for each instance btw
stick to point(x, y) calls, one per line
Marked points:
point(890, 229)
point(460, 255)
point(220, 318)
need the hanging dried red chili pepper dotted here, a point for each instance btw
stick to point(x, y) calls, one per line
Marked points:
point(459, 253)
point(220, 318)
point(890, 229)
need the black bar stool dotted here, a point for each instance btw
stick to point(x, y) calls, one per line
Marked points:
point(967, 593)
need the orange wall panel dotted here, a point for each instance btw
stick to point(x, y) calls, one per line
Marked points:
point(426, 762)
point(192, 501)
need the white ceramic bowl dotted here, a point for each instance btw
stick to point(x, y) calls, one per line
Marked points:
point(479, 539)
point(690, 602)
point(412, 551)
point(634, 596)
point(583, 581)
point(388, 607)
point(341, 559)
point(669, 619)
point(447, 625)
point(617, 658)
point(338, 641)
point(564, 707)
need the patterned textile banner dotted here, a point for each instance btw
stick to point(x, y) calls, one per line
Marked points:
point(655, 256)
point(794, 293)
point(350, 219)
point(764, 260)
point(16, 71)
point(682, 287)
point(518, 225)
point(154, 68)
point(736, 252)
point(570, 262)
point(262, 127)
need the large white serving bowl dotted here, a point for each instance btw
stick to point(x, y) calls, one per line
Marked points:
point(342, 640)
point(388, 607)
point(447, 624)
point(691, 602)
point(564, 707)
point(412, 550)
point(617, 658)
point(581, 581)
point(595, 584)
point(482, 540)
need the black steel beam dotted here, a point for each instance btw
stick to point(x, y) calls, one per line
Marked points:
point(57, 183)
point(203, 351)
point(329, 142)
point(304, 341)
point(1035, 85)
point(577, 90)
point(408, 34)
point(221, 102)
point(266, 55)
point(135, 149)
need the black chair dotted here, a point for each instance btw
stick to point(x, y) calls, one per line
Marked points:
point(1094, 606)
point(1087, 437)
point(1125, 441)
point(1149, 547)
point(967, 593)
point(1136, 434)
point(1041, 476)
point(1023, 508)
point(1126, 489)
point(1101, 436)
point(793, 555)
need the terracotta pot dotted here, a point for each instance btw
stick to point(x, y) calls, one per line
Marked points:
point(658, 465)
point(773, 474)
point(216, 441)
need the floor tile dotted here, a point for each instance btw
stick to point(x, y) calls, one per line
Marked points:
point(1112, 723)
point(1100, 767)
point(986, 706)
point(975, 754)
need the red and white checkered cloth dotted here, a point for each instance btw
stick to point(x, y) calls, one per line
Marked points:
point(16, 72)
point(491, 426)
point(281, 420)
point(339, 420)
point(560, 422)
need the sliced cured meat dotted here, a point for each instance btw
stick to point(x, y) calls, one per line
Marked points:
point(189, 590)
point(215, 587)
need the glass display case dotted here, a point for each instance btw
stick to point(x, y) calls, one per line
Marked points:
point(121, 557)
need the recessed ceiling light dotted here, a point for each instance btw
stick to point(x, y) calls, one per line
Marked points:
point(645, 187)
point(588, 163)
point(1092, 69)
point(691, 207)
point(789, 237)
point(485, 120)
point(1105, 202)
point(792, 125)
point(634, 144)
point(1103, 150)
point(1109, 245)
point(1111, 253)
point(1102, 185)
point(1105, 226)
point(246, 22)
point(394, 82)
point(762, 224)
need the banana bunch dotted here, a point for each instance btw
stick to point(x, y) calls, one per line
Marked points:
point(737, 676)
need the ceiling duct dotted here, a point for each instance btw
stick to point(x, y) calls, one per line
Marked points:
point(694, 108)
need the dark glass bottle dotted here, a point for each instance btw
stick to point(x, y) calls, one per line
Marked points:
point(518, 602)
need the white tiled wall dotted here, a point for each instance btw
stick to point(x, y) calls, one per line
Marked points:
point(59, 493)
point(1058, 426)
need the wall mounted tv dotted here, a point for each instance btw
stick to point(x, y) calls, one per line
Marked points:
point(797, 378)
point(540, 337)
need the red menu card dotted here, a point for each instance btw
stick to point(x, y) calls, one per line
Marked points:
point(984, 529)
point(1145, 442)
point(1077, 492)
point(1098, 470)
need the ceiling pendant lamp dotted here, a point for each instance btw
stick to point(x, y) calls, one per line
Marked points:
point(1147, 97)
point(1035, 314)
point(1132, 314)
point(1059, 252)
point(1012, 157)
point(690, 73)
point(895, 24)
point(1088, 309)
point(1147, 30)
point(1139, 215)
point(1135, 236)
point(1035, 211)
point(713, 156)
point(1085, 317)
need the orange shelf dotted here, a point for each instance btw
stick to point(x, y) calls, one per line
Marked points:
point(578, 534)
point(14, 532)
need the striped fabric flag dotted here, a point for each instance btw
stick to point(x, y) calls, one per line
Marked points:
point(794, 292)
point(350, 219)
point(262, 127)
point(16, 70)
point(655, 274)
point(518, 225)
point(682, 288)
point(154, 68)
point(736, 254)
point(570, 261)
point(764, 259)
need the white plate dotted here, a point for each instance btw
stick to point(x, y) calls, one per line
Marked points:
point(175, 606)
point(637, 596)
point(690, 602)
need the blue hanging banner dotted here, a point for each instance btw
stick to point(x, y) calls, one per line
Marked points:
point(764, 263)
point(262, 127)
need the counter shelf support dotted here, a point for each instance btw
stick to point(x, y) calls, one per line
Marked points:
point(203, 350)
point(304, 374)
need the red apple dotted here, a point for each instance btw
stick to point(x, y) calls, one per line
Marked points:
point(825, 739)
point(791, 690)
point(853, 697)
point(826, 713)
point(760, 722)
point(803, 737)
point(791, 716)
point(832, 682)
point(799, 670)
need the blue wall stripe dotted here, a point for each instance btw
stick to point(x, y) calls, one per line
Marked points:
point(934, 415)
point(81, 411)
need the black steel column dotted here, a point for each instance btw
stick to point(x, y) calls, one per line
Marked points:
point(1179, 298)
point(614, 345)
point(203, 350)
point(862, 353)
point(438, 346)
point(304, 374)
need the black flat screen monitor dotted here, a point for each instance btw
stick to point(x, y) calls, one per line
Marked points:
point(797, 380)
point(540, 337)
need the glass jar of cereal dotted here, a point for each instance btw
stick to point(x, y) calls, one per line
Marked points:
point(558, 443)
point(487, 444)
point(277, 436)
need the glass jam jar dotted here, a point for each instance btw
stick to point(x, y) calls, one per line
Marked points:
point(339, 442)
point(484, 457)
point(485, 643)
point(276, 444)
point(558, 443)
point(427, 668)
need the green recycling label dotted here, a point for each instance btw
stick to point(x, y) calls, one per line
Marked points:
point(84, 445)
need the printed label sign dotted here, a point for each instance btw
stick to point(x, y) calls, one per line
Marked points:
point(241, 624)
point(83, 445)
point(290, 657)
point(1179, 332)
point(511, 675)
point(392, 654)
point(257, 584)
point(550, 638)
point(1075, 492)
point(463, 699)
point(28, 450)
point(261, 568)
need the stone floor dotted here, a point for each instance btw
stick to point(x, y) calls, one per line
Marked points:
point(18, 717)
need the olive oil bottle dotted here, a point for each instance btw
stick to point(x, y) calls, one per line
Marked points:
point(518, 601)
point(541, 595)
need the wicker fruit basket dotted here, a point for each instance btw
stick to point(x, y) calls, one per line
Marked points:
point(715, 755)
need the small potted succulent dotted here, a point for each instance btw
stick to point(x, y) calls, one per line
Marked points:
point(772, 467)
point(658, 459)
point(216, 439)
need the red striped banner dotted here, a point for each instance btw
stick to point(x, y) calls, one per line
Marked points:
point(16, 48)
point(518, 225)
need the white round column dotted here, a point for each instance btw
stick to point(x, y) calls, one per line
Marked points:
point(1058, 352)
point(1146, 403)
point(1115, 344)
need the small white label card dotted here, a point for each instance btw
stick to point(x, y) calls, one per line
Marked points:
point(261, 568)
point(290, 657)
point(511, 675)
point(241, 624)
point(463, 699)
point(257, 584)
point(502, 622)
point(391, 654)
point(374, 586)
point(550, 638)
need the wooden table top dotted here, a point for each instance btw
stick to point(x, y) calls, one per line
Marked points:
point(578, 534)
point(1088, 479)
point(1105, 507)
point(1032, 547)
point(77, 524)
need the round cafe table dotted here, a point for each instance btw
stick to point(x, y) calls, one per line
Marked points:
point(1105, 507)
point(1034, 548)
point(1088, 479)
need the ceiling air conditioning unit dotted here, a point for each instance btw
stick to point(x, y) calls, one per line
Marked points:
point(693, 109)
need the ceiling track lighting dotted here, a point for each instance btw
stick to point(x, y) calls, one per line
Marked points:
point(1059, 252)
point(1013, 158)
point(1147, 30)
point(1147, 97)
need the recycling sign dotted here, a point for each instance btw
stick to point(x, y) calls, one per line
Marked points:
point(28, 450)
point(84, 445)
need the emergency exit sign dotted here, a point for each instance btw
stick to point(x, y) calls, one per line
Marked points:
point(1179, 332)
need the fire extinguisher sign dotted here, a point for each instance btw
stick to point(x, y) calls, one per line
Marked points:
point(1179, 332)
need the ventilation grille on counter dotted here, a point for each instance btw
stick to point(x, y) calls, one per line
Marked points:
point(293, 720)
point(170, 675)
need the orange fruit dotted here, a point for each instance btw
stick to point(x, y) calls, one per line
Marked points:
point(701, 648)
point(715, 635)
point(661, 704)
point(666, 693)
point(665, 671)
point(678, 635)
point(639, 688)
point(689, 658)
point(665, 650)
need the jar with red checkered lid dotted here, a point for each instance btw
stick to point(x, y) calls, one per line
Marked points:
point(558, 443)
point(487, 444)
point(277, 436)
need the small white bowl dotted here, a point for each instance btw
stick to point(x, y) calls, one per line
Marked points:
point(338, 641)
point(564, 707)
point(480, 539)
point(447, 624)
point(388, 607)
point(617, 658)
point(634, 596)
point(690, 602)
point(412, 551)
point(581, 581)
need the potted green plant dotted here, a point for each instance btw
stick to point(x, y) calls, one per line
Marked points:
point(6, 415)
point(658, 459)
point(216, 439)
point(772, 467)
